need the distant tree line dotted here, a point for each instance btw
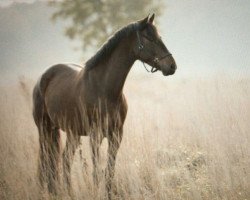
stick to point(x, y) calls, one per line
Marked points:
point(93, 21)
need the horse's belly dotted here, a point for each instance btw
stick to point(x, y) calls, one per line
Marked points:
point(67, 119)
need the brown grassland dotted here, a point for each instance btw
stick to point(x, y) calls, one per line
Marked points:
point(185, 139)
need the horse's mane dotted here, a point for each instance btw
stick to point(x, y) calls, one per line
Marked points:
point(108, 47)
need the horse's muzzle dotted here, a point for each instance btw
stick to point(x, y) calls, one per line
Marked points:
point(170, 71)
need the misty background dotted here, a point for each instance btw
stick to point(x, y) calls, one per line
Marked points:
point(207, 38)
point(186, 136)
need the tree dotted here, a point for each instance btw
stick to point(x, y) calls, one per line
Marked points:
point(93, 21)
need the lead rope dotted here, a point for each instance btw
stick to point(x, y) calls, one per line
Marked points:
point(146, 67)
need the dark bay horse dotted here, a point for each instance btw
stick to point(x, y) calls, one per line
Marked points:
point(90, 102)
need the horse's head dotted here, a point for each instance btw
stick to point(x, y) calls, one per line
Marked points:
point(149, 48)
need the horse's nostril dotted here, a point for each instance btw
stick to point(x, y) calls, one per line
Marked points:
point(173, 66)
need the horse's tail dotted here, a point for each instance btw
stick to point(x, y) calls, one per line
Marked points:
point(49, 140)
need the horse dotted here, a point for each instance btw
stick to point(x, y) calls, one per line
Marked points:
point(90, 102)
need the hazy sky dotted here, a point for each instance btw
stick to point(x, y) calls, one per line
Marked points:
point(205, 36)
point(5, 3)
point(209, 35)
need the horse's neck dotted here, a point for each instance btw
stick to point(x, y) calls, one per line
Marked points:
point(113, 72)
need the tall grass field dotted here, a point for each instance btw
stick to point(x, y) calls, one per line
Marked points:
point(183, 139)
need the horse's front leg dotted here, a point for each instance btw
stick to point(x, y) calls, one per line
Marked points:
point(95, 143)
point(114, 141)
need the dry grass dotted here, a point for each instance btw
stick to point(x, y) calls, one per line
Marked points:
point(184, 139)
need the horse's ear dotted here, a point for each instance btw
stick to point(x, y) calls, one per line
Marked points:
point(151, 19)
point(145, 20)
